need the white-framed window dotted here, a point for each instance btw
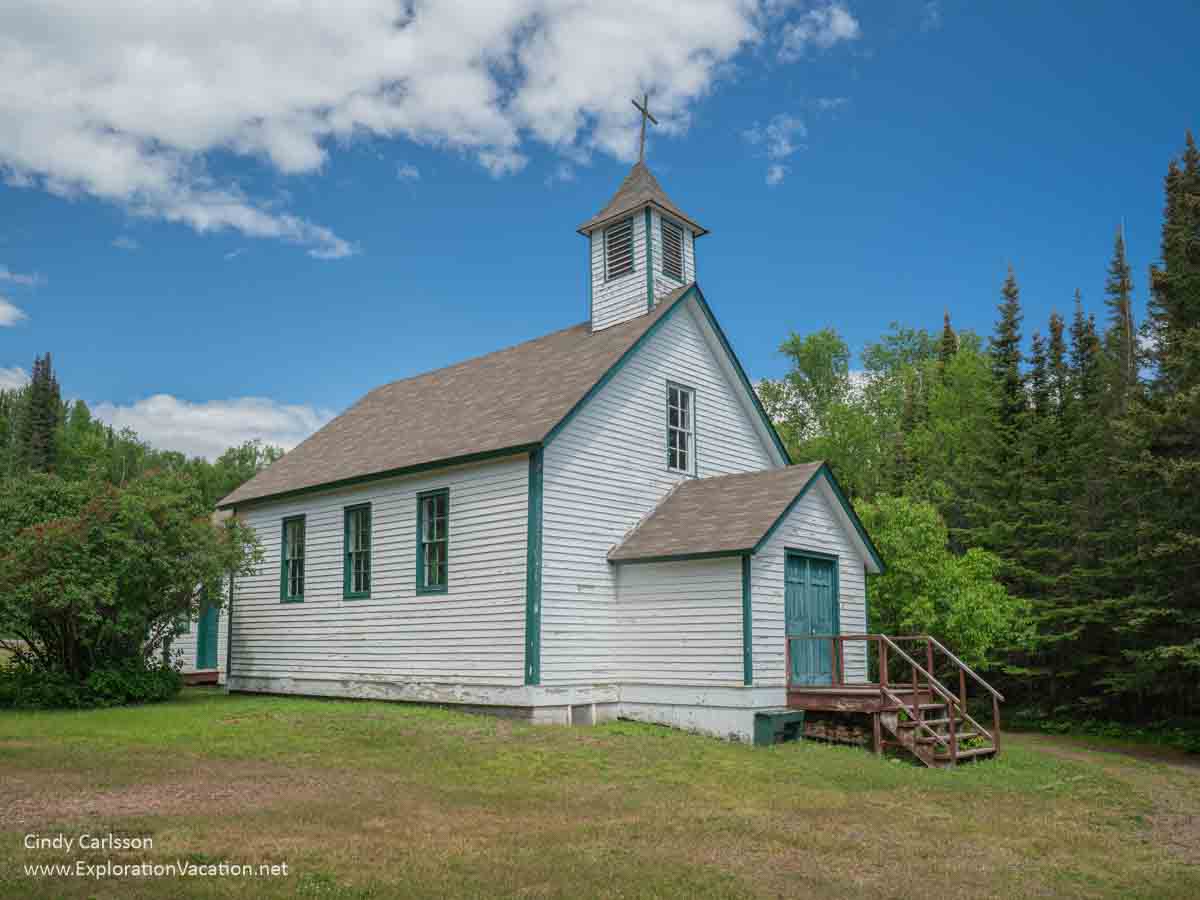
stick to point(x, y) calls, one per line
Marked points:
point(618, 249)
point(672, 250)
point(681, 428)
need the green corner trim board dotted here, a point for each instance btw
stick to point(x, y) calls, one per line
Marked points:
point(747, 622)
point(533, 573)
point(649, 264)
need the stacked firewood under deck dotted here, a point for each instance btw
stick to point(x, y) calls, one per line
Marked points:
point(907, 707)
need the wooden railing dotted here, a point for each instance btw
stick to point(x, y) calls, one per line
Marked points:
point(922, 677)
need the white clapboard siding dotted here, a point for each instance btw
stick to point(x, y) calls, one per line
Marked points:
point(622, 298)
point(664, 284)
point(679, 623)
point(472, 634)
point(607, 469)
point(811, 525)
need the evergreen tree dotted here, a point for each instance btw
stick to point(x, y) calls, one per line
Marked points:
point(1005, 348)
point(1035, 554)
point(994, 502)
point(1161, 626)
point(948, 345)
point(37, 437)
point(1120, 339)
point(1059, 372)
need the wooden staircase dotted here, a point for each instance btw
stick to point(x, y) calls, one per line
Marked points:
point(919, 714)
point(929, 739)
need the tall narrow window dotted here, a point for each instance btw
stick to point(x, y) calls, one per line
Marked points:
point(291, 576)
point(433, 541)
point(672, 250)
point(356, 577)
point(681, 428)
point(618, 249)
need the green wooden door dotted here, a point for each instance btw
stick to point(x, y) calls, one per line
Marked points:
point(810, 604)
point(206, 636)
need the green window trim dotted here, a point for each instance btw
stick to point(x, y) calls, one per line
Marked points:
point(427, 514)
point(356, 561)
point(684, 425)
point(291, 567)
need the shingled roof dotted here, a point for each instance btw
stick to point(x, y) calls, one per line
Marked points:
point(729, 515)
point(507, 400)
point(639, 188)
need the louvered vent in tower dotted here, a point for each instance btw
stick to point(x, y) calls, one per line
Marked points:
point(618, 249)
point(672, 250)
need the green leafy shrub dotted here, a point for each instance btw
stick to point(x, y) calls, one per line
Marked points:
point(927, 589)
point(27, 687)
point(95, 578)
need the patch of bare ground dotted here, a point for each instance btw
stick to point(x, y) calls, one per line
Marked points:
point(33, 797)
point(1171, 780)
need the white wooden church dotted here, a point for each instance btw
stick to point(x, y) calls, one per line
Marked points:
point(597, 523)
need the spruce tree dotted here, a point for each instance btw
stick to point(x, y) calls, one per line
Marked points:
point(1005, 348)
point(38, 429)
point(993, 509)
point(948, 345)
point(1120, 338)
point(1161, 626)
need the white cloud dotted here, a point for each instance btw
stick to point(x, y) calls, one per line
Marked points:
point(820, 27)
point(931, 16)
point(30, 280)
point(234, 254)
point(128, 102)
point(11, 379)
point(778, 140)
point(10, 314)
point(208, 429)
point(124, 242)
point(408, 172)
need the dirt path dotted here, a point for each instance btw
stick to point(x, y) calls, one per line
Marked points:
point(1169, 778)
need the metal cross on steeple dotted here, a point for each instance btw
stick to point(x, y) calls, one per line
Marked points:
point(644, 109)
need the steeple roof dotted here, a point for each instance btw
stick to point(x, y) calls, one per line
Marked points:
point(639, 188)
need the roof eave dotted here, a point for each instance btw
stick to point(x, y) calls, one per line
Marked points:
point(591, 225)
point(445, 463)
point(678, 557)
point(873, 558)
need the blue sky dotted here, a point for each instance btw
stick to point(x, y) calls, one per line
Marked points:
point(918, 148)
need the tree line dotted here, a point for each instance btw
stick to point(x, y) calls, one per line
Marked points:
point(40, 432)
point(1065, 459)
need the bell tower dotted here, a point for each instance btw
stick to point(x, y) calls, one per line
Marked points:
point(641, 246)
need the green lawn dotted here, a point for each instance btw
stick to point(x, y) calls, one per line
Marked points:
point(383, 800)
